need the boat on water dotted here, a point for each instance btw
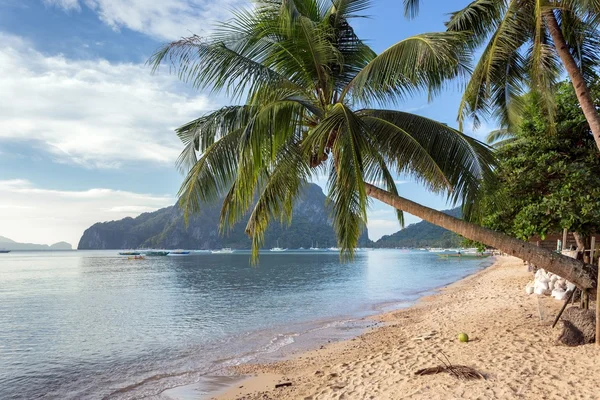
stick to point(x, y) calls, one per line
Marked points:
point(4, 251)
point(225, 250)
point(315, 248)
point(334, 249)
point(278, 248)
point(156, 253)
point(129, 253)
point(178, 253)
point(437, 250)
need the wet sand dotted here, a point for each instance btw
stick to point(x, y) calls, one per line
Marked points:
point(511, 343)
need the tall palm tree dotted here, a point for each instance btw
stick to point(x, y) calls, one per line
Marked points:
point(527, 44)
point(307, 85)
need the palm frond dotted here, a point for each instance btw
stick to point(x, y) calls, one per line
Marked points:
point(276, 199)
point(260, 144)
point(498, 134)
point(496, 85)
point(197, 135)
point(212, 175)
point(347, 194)
point(411, 8)
point(449, 161)
point(421, 62)
point(480, 17)
point(215, 66)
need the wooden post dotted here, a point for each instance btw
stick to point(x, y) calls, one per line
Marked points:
point(564, 242)
point(592, 248)
point(568, 297)
point(597, 309)
point(597, 318)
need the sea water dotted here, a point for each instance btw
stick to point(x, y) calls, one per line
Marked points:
point(93, 324)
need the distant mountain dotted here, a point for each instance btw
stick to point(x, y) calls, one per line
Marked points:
point(8, 244)
point(423, 234)
point(165, 228)
point(6, 240)
point(61, 246)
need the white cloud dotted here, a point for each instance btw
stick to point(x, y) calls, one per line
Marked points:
point(163, 19)
point(32, 214)
point(92, 112)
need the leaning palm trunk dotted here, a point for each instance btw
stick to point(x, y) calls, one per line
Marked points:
point(575, 271)
point(577, 79)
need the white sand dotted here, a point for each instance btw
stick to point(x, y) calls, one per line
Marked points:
point(510, 344)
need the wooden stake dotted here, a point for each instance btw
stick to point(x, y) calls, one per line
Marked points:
point(567, 299)
point(592, 248)
point(564, 242)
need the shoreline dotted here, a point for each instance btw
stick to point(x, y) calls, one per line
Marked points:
point(511, 344)
point(333, 330)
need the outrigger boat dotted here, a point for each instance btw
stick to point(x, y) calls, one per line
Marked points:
point(156, 253)
point(179, 253)
point(129, 253)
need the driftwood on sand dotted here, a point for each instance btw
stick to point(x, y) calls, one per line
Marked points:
point(458, 371)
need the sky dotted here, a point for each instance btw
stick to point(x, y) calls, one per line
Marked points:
point(87, 131)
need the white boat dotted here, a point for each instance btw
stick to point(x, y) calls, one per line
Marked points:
point(334, 249)
point(437, 250)
point(225, 250)
point(278, 248)
point(315, 248)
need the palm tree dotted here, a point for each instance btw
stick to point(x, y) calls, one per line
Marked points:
point(527, 44)
point(309, 85)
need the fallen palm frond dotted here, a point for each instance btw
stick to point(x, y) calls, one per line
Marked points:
point(457, 371)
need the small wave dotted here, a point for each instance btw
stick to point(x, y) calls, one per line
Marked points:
point(279, 342)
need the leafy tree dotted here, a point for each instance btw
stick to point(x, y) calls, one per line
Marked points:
point(547, 182)
point(310, 87)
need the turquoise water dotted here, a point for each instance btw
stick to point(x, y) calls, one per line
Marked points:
point(92, 324)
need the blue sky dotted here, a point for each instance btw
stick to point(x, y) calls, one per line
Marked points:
point(87, 131)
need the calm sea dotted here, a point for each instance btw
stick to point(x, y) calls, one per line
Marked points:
point(93, 325)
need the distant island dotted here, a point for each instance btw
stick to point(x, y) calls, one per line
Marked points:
point(9, 244)
point(165, 228)
point(423, 234)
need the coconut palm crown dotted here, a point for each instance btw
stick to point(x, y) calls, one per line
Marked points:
point(305, 90)
point(526, 46)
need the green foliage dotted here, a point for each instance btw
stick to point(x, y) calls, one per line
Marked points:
point(547, 181)
point(308, 85)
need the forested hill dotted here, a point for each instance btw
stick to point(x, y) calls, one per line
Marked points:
point(423, 234)
point(165, 228)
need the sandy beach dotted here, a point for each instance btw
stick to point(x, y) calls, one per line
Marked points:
point(512, 344)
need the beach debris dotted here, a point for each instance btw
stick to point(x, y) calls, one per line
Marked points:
point(283, 384)
point(458, 371)
point(578, 327)
point(463, 338)
point(549, 284)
